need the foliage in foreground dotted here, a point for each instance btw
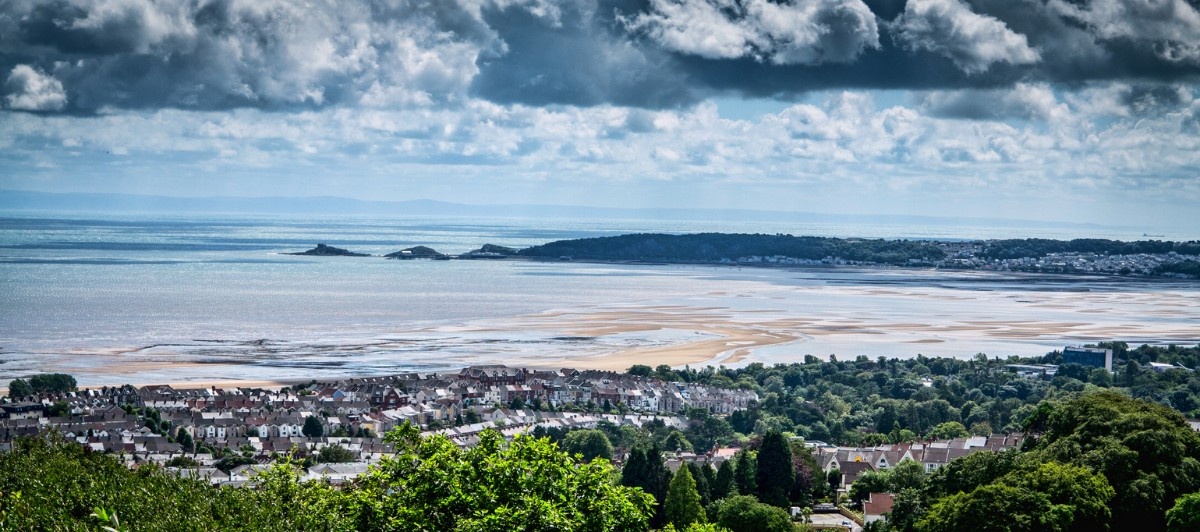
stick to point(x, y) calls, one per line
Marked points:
point(430, 484)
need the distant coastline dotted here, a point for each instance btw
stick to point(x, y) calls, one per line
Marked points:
point(1146, 258)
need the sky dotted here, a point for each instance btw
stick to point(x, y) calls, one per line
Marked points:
point(1070, 110)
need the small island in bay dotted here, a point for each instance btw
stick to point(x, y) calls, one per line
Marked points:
point(418, 252)
point(490, 251)
point(329, 251)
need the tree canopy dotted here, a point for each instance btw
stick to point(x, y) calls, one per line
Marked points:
point(590, 443)
point(682, 506)
point(430, 484)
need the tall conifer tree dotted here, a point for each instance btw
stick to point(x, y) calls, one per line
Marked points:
point(775, 474)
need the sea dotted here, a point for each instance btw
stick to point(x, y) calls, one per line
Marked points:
point(144, 298)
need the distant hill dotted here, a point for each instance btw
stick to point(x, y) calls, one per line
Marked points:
point(710, 247)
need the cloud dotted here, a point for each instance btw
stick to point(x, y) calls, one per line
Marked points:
point(579, 57)
point(284, 56)
point(29, 89)
point(1171, 28)
point(1024, 101)
point(972, 41)
point(784, 33)
point(263, 53)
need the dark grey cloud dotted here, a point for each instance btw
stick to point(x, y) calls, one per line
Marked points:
point(272, 54)
point(581, 58)
point(84, 56)
point(1024, 102)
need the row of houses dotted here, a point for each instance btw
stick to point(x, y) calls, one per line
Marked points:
point(143, 423)
point(852, 462)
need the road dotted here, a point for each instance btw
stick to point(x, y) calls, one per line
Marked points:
point(834, 519)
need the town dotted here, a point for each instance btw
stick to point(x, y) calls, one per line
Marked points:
point(209, 429)
point(973, 256)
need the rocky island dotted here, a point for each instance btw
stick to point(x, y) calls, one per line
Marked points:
point(490, 251)
point(329, 251)
point(418, 252)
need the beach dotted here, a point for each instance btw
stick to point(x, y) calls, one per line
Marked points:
point(195, 302)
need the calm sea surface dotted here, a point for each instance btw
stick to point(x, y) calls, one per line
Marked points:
point(138, 298)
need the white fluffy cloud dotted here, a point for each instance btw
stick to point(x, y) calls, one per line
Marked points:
point(785, 33)
point(973, 41)
point(28, 89)
point(842, 141)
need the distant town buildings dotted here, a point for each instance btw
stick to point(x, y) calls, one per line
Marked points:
point(143, 424)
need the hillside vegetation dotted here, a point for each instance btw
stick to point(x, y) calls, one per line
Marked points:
point(711, 247)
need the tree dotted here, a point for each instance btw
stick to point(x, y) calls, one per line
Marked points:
point(313, 427)
point(744, 513)
point(590, 443)
point(1146, 452)
point(527, 484)
point(335, 454)
point(703, 487)
point(59, 409)
point(676, 442)
point(866, 484)
point(645, 469)
point(19, 389)
point(907, 474)
point(682, 506)
point(724, 485)
point(775, 472)
point(1052, 496)
point(184, 440)
point(995, 508)
point(948, 431)
point(640, 370)
point(1185, 515)
point(52, 383)
point(745, 472)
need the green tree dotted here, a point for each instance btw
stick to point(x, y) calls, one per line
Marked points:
point(590, 443)
point(184, 440)
point(646, 469)
point(19, 388)
point(949, 430)
point(676, 442)
point(743, 513)
point(312, 427)
point(432, 484)
point(52, 383)
point(335, 454)
point(866, 484)
point(1147, 452)
point(996, 508)
point(703, 487)
point(682, 506)
point(907, 474)
point(724, 485)
point(59, 409)
point(640, 370)
point(775, 472)
point(745, 472)
point(970, 472)
point(1185, 515)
